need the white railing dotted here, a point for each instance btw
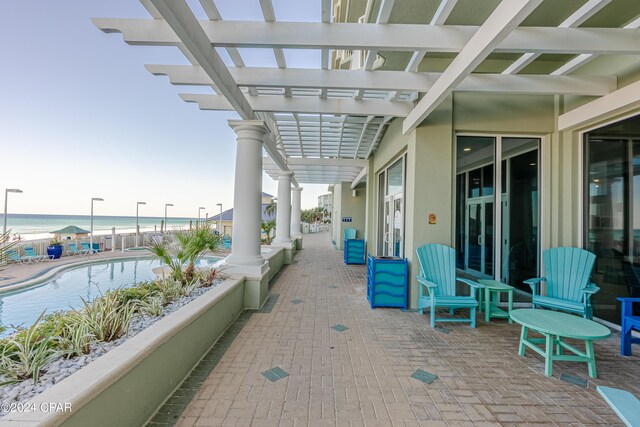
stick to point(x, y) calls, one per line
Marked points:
point(122, 241)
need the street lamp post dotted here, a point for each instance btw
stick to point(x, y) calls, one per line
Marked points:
point(93, 199)
point(138, 226)
point(220, 219)
point(165, 215)
point(6, 196)
point(199, 209)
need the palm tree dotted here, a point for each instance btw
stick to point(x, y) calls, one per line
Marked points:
point(193, 244)
point(271, 209)
point(5, 245)
point(268, 227)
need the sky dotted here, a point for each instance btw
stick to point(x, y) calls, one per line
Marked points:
point(80, 117)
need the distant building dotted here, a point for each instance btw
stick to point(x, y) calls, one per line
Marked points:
point(326, 201)
point(69, 233)
point(227, 216)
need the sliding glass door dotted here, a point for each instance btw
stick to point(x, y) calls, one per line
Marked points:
point(612, 213)
point(391, 210)
point(507, 249)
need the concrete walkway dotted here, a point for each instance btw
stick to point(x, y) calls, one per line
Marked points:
point(363, 375)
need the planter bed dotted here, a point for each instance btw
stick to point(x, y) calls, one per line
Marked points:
point(95, 393)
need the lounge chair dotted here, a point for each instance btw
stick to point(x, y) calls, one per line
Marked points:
point(73, 249)
point(86, 249)
point(31, 255)
point(14, 257)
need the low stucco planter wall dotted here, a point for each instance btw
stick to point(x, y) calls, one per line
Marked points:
point(127, 385)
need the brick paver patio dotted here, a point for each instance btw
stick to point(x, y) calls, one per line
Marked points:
point(363, 375)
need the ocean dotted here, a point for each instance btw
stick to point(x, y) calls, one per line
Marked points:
point(33, 226)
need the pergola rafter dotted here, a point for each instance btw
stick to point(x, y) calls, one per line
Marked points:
point(337, 113)
point(389, 37)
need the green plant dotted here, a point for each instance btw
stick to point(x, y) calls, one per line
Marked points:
point(168, 290)
point(55, 242)
point(193, 244)
point(267, 228)
point(271, 209)
point(106, 317)
point(141, 292)
point(207, 277)
point(6, 244)
point(152, 306)
point(190, 287)
point(313, 215)
point(25, 355)
point(76, 339)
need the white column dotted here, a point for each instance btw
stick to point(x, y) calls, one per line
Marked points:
point(283, 214)
point(295, 212)
point(247, 195)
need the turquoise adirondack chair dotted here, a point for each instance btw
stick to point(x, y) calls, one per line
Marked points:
point(438, 276)
point(350, 233)
point(568, 273)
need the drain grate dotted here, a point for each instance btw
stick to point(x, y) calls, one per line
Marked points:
point(269, 304)
point(339, 328)
point(296, 301)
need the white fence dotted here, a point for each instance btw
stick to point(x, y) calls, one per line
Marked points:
point(105, 242)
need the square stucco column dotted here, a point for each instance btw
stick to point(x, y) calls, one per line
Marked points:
point(283, 214)
point(245, 255)
point(296, 212)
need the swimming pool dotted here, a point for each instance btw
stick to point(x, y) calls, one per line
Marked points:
point(65, 291)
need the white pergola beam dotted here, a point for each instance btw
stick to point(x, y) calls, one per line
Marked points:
point(304, 105)
point(504, 19)
point(374, 141)
point(608, 104)
point(180, 18)
point(582, 59)
point(362, 135)
point(358, 179)
point(390, 37)
point(389, 80)
point(326, 162)
point(181, 21)
point(442, 13)
point(587, 10)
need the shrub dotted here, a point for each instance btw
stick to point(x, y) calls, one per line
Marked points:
point(107, 318)
point(168, 290)
point(76, 339)
point(25, 355)
point(152, 306)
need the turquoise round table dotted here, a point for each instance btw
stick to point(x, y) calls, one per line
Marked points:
point(555, 326)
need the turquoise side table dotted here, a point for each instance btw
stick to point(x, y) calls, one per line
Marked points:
point(491, 309)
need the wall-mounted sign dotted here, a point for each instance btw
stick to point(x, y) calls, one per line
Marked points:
point(347, 219)
point(432, 218)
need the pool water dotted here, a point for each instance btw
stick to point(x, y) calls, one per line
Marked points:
point(22, 308)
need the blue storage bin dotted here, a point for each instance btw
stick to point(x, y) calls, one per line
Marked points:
point(387, 281)
point(353, 251)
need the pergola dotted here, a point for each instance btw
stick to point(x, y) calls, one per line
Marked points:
point(321, 125)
